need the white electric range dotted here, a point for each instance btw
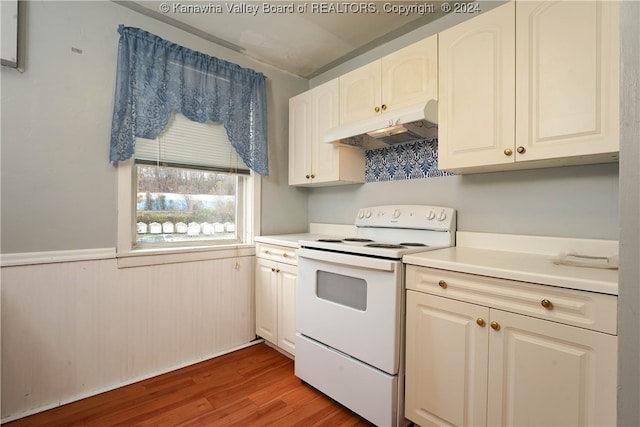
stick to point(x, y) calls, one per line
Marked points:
point(350, 307)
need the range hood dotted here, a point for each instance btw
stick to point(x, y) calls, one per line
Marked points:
point(395, 127)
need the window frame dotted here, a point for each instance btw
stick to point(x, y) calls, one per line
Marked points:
point(130, 256)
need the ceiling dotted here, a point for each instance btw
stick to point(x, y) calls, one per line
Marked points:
point(305, 44)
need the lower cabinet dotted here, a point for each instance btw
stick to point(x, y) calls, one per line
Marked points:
point(469, 364)
point(275, 298)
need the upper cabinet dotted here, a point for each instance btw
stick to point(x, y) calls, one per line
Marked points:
point(476, 116)
point(518, 84)
point(313, 162)
point(567, 94)
point(403, 78)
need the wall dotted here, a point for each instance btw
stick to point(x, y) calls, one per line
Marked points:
point(578, 201)
point(56, 122)
point(74, 328)
point(629, 298)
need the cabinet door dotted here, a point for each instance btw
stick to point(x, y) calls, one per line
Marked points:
point(360, 93)
point(543, 373)
point(446, 361)
point(324, 116)
point(410, 75)
point(287, 285)
point(477, 91)
point(266, 301)
point(568, 85)
point(300, 132)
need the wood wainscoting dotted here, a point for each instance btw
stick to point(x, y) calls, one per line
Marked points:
point(73, 329)
point(254, 386)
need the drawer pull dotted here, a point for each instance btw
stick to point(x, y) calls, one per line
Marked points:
point(285, 255)
point(547, 304)
point(442, 284)
point(266, 251)
point(480, 321)
point(495, 325)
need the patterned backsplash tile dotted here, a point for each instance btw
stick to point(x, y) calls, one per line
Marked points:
point(407, 161)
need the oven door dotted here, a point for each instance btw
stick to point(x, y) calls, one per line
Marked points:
point(353, 304)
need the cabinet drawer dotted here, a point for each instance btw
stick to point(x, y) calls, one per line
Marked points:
point(587, 310)
point(277, 253)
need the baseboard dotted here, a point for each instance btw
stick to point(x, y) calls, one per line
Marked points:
point(125, 383)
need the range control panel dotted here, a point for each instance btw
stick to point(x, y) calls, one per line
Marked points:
point(419, 217)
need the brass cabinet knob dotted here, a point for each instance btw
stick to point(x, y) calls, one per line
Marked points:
point(377, 109)
point(307, 176)
point(521, 149)
point(480, 321)
point(277, 270)
point(266, 251)
point(442, 284)
point(384, 107)
point(495, 325)
point(508, 151)
point(273, 269)
point(313, 176)
point(285, 255)
point(547, 304)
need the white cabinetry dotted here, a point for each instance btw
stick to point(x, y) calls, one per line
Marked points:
point(403, 78)
point(520, 88)
point(312, 161)
point(476, 117)
point(276, 282)
point(486, 351)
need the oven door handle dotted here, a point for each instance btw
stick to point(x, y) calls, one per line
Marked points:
point(348, 260)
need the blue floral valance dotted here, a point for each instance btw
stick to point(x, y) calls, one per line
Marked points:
point(156, 78)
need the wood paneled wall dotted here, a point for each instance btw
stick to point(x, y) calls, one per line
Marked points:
point(74, 329)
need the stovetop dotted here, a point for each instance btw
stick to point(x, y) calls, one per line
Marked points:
point(394, 231)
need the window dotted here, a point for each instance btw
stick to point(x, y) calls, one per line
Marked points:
point(187, 207)
point(188, 188)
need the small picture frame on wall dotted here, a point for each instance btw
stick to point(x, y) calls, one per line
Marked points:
point(9, 28)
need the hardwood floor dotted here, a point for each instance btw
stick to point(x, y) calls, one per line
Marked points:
point(254, 386)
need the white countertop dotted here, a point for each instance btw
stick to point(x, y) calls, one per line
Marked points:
point(317, 231)
point(289, 240)
point(522, 258)
point(536, 266)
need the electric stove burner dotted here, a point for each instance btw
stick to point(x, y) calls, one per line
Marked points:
point(356, 239)
point(413, 244)
point(385, 246)
point(330, 240)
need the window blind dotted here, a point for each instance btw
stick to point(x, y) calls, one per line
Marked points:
point(188, 144)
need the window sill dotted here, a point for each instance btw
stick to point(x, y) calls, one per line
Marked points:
point(156, 256)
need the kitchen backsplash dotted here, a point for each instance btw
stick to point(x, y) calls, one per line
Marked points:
point(406, 161)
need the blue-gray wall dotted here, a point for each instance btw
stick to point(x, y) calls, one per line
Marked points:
point(58, 189)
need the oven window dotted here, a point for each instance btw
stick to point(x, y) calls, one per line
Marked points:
point(341, 289)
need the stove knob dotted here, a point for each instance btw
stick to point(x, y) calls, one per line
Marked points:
point(361, 214)
point(442, 216)
point(396, 213)
point(368, 214)
point(431, 215)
